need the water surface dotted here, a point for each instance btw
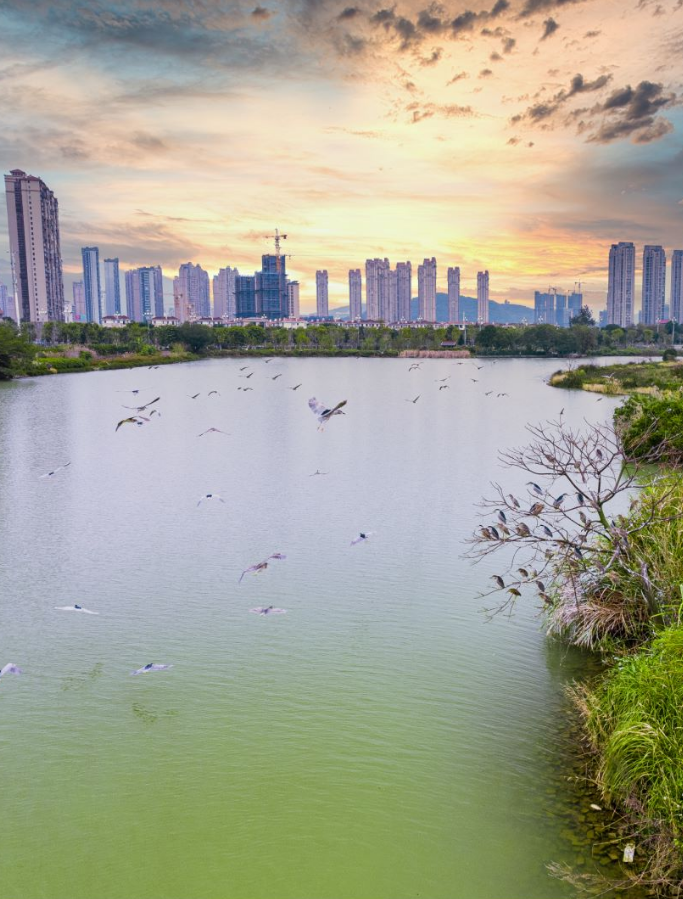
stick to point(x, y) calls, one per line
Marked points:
point(381, 740)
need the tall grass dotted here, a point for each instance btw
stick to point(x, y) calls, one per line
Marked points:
point(635, 720)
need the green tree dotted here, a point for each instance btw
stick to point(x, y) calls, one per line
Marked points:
point(16, 352)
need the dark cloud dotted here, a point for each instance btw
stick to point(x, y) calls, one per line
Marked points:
point(539, 112)
point(550, 26)
point(261, 13)
point(590, 34)
point(531, 7)
point(633, 112)
point(350, 12)
point(627, 113)
point(349, 44)
point(495, 57)
point(485, 73)
point(457, 77)
point(499, 8)
point(509, 44)
point(429, 22)
point(513, 142)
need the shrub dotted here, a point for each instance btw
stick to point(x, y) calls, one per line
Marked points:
point(652, 424)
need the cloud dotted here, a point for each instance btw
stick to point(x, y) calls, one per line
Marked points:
point(495, 57)
point(633, 112)
point(349, 12)
point(261, 13)
point(531, 7)
point(486, 73)
point(545, 110)
point(590, 34)
point(509, 44)
point(457, 77)
point(550, 26)
point(420, 111)
point(433, 58)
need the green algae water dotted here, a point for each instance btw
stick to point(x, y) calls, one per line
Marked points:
point(382, 740)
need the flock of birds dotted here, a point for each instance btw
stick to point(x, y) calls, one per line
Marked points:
point(323, 415)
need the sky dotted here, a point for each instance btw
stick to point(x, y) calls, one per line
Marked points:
point(519, 136)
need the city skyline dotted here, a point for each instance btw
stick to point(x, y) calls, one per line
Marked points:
point(524, 137)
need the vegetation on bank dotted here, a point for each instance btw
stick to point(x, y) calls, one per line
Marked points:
point(625, 378)
point(140, 344)
point(597, 533)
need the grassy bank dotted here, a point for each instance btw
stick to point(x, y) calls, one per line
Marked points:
point(625, 378)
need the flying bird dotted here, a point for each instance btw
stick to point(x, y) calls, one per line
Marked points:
point(415, 365)
point(295, 388)
point(267, 361)
point(362, 537)
point(10, 668)
point(133, 420)
point(275, 377)
point(211, 392)
point(322, 413)
point(75, 608)
point(213, 431)
point(133, 391)
point(474, 380)
point(261, 566)
point(245, 389)
point(193, 397)
point(268, 610)
point(444, 387)
point(146, 406)
point(244, 368)
point(208, 496)
point(317, 471)
point(151, 666)
point(488, 393)
point(441, 380)
point(49, 474)
point(415, 400)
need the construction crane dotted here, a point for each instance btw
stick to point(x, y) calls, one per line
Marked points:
point(277, 237)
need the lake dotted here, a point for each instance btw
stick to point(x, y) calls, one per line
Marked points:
point(381, 740)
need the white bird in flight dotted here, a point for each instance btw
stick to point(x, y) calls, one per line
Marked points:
point(75, 608)
point(49, 474)
point(213, 431)
point(151, 666)
point(362, 537)
point(208, 496)
point(322, 413)
point(261, 566)
point(268, 610)
point(10, 668)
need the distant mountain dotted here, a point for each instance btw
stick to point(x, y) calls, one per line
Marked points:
point(499, 313)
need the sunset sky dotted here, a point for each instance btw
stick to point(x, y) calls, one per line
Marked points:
point(524, 136)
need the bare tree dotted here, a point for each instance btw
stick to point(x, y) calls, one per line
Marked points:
point(563, 535)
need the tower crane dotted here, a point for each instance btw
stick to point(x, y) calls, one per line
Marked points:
point(277, 237)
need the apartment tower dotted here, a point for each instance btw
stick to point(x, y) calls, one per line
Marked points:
point(426, 290)
point(621, 284)
point(36, 259)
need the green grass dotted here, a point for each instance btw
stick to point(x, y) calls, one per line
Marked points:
point(635, 720)
point(624, 378)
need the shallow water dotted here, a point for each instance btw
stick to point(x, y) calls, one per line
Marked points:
point(381, 740)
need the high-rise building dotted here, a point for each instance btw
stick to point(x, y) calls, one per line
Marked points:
point(245, 296)
point(33, 219)
point(193, 292)
point(7, 309)
point(676, 299)
point(454, 294)
point(112, 287)
point(224, 300)
point(482, 297)
point(355, 295)
point(293, 307)
point(91, 284)
point(392, 299)
point(271, 287)
point(79, 313)
point(654, 280)
point(426, 290)
point(377, 289)
point(322, 303)
point(621, 284)
point(145, 293)
point(546, 306)
point(404, 290)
